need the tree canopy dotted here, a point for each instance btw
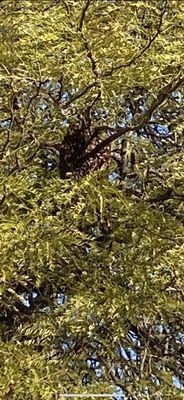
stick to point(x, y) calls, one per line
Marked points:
point(91, 198)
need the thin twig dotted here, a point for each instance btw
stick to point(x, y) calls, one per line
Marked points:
point(80, 94)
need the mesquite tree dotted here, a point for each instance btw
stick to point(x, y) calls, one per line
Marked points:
point(91, 198)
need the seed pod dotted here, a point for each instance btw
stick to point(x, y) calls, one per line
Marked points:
point(132, 159)
point(123, 153)
point(15, 103)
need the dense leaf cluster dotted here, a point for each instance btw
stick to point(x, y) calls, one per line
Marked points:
point(91, 198)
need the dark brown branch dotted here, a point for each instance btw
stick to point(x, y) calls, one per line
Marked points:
point(83, 14)
point(32, 98)
point(38, 87)
point(5, 145)
point(52, 5)
point(98, 96)
point(100, 146)
point(86, 44)
point(3, 196)
point(80, 94)
point(162, 95)
point(163, 138)
point(67, 7)
point(61, 89)
point(167, 195)
point(32, 156)
point(88, 115)
point(145, 119)
point(90, 57)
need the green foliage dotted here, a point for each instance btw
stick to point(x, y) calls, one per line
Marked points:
point(91, 285)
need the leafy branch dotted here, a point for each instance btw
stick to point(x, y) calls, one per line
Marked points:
point(143, 50)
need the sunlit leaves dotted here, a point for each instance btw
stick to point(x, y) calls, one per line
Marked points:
point(91, 267)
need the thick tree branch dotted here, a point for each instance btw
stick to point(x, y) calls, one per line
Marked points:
point(83, 14)
point(145, 118)
point(170, 193)
point(162, 95)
